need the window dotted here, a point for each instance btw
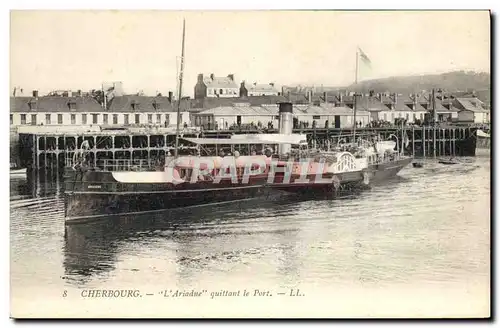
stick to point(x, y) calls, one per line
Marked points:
point(407, 116)
point(158, 118)
point(33, 119)
point(210, 91)
point(105, 118)
point(84, 118)
point(115, 118)
point(221, 91)
point(167, 119)
point(414, 117)
point(137, 119)
point(316, 117)
point(150, 118)
point(94, 118)
point(11, 119)
point(73, 119)
point(59, 119)
point(47, 119)
point(385, 116)
point(421, 116)
point(125, 119)
point(23, 118)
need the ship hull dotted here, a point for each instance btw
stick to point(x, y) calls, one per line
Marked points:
point(388, 170)
point(326, 184)
point(93, 194)
point(97, 194)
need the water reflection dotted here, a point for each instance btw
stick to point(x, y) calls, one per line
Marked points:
point(193, 240)
point(389, 233)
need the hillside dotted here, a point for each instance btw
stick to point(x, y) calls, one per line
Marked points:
point(452, 82)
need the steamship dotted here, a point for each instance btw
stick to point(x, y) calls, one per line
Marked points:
point(117, 187)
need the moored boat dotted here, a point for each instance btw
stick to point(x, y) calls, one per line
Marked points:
point(450, 161)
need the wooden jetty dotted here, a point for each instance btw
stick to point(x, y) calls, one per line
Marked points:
point(50, 151)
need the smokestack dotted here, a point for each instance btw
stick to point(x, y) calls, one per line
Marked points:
point(309, 96)
point(325, 97)
point(35, 93)
point(285, 124)
point(200, 77)
point(212, 76)
point(170, 95)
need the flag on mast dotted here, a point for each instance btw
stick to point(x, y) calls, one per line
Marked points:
point(364, 57)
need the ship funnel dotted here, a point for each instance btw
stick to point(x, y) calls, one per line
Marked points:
point(285, 124)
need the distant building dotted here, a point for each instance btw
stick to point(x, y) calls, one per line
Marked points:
point(126, 110)
point(255, 89)
point(216, 87)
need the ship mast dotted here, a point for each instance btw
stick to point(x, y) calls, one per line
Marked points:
point(176, 154)
point(355, 98)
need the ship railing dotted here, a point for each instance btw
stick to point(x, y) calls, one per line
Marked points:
point(118, 164)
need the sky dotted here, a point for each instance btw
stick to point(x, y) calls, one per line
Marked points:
point(52, 50)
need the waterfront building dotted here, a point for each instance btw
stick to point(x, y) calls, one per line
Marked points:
point(216, 87)
point(472, 110)
point(126, 110)
point(266, 116)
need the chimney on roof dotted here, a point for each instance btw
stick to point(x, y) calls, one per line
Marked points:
point(35, 93)
point(325, 96)
point(243, 89)
point(200, 77)
point(170, 95)
point(309, 96)
point(231, 77)
point(271, 84)
point(395, 98)
point(212, 76)
point(79, 93)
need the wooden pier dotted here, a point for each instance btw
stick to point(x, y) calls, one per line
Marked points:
point(50, 151)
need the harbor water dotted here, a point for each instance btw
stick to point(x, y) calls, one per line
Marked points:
point(414, 246)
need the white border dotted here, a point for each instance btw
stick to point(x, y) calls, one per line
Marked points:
point(185, 4)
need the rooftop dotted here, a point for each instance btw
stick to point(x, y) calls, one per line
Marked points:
point(220, 82)
point(54, 104)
